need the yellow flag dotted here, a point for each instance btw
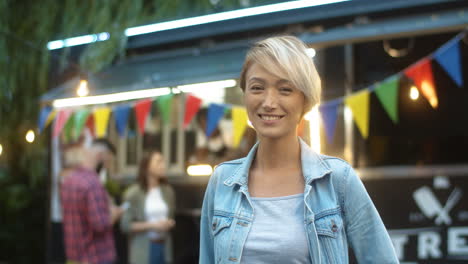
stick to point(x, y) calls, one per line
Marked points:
point(359, 105)
point(101, 118)
point(239, 119)
point(50, 117)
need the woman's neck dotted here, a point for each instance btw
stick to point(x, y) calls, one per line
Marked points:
point(152, 183)
point(278, 153)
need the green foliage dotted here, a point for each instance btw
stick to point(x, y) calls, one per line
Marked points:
point(25, 28)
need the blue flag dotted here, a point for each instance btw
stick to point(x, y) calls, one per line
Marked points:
point(121, 118)
point(448, 56)
point(45, 112)
point(329, 113)
point(214, 115)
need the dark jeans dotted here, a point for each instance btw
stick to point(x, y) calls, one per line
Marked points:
point(157, 253)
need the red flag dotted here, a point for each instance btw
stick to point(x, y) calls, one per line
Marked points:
point(421, 74)
point(61, 120)
point(142, 109)
point(192, 104)
point(90, 125)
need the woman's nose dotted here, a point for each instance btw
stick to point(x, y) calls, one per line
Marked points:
point(270, 100)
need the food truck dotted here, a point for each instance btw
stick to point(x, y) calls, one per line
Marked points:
point(394, 101)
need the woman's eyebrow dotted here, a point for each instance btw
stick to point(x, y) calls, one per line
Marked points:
point(284, 81)
point(256, 79)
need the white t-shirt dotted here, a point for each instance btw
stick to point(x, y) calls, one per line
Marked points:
point(155, 210)
point(277, 234)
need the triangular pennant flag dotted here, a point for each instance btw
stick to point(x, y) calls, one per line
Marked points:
point(387, 93)
point(421, 74)
point(214, 115)
point(239, 119)
point(121, 118)
point(67, 131)
point(101, 119)
point(50, 118)
point(142, 109)
point(79, 120)
point(192, 105)
point(448, 56)
point(43, 117)
point(164, 103)
point(90, 125)
point(329, 113)
point(61, 120)
point(359, 105)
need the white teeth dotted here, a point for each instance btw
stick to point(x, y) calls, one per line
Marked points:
point(268, 118)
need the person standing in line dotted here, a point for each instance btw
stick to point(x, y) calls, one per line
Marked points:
point(151, 211)
point(88, 214)
point(284, 203)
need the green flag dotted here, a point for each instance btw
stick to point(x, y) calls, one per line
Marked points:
point(164, 104)
point(79, 121)
point(68, 129)
point(387, 93)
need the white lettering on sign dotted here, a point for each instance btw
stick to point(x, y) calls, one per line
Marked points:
point(457, 242)
point(399, 242)
point(429, 245)
point(429, 242)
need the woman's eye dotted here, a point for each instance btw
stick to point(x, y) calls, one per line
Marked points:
point(286, 90)
point(256, 88)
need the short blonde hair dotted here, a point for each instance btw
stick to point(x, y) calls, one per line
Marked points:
point(287, 58)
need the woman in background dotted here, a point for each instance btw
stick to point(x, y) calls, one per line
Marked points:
point(150, 213)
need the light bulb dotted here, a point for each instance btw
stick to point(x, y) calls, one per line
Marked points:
point(30, 136)
point(414, 93)
point(83, 88)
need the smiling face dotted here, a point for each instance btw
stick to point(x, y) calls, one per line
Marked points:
point(274, 105)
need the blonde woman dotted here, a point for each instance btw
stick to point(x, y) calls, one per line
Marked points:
point(284, 203)
point(150, 215)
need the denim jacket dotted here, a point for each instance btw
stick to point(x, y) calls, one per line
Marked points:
point(338, 211)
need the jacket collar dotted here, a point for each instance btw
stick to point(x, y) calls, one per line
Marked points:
point(313, 166)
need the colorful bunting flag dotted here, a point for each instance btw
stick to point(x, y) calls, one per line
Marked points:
point(192, 105)
point(61, 120)
point(387, 93)
point(329, 113)
point(421, 74)
point(101, 119)
point(448, 56)
point(44, 117)
point(121, 118)
point(239, 119)
point(359, 105)
point(142, 109)
point(67, 131)
point(79, 119)
point(214, 115)
point(90, 125)
point(164, 103)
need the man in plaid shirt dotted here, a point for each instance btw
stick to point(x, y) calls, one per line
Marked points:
point(88, 216)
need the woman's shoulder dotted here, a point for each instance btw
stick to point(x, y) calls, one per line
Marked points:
point(226, 169)
point(226, 166)
point(133, 191)
point(167, 189)
point(332, 161)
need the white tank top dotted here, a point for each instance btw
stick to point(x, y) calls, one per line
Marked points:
point(155, 210)
point(277, 235)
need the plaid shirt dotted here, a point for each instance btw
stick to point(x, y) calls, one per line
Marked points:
point(86, 218)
